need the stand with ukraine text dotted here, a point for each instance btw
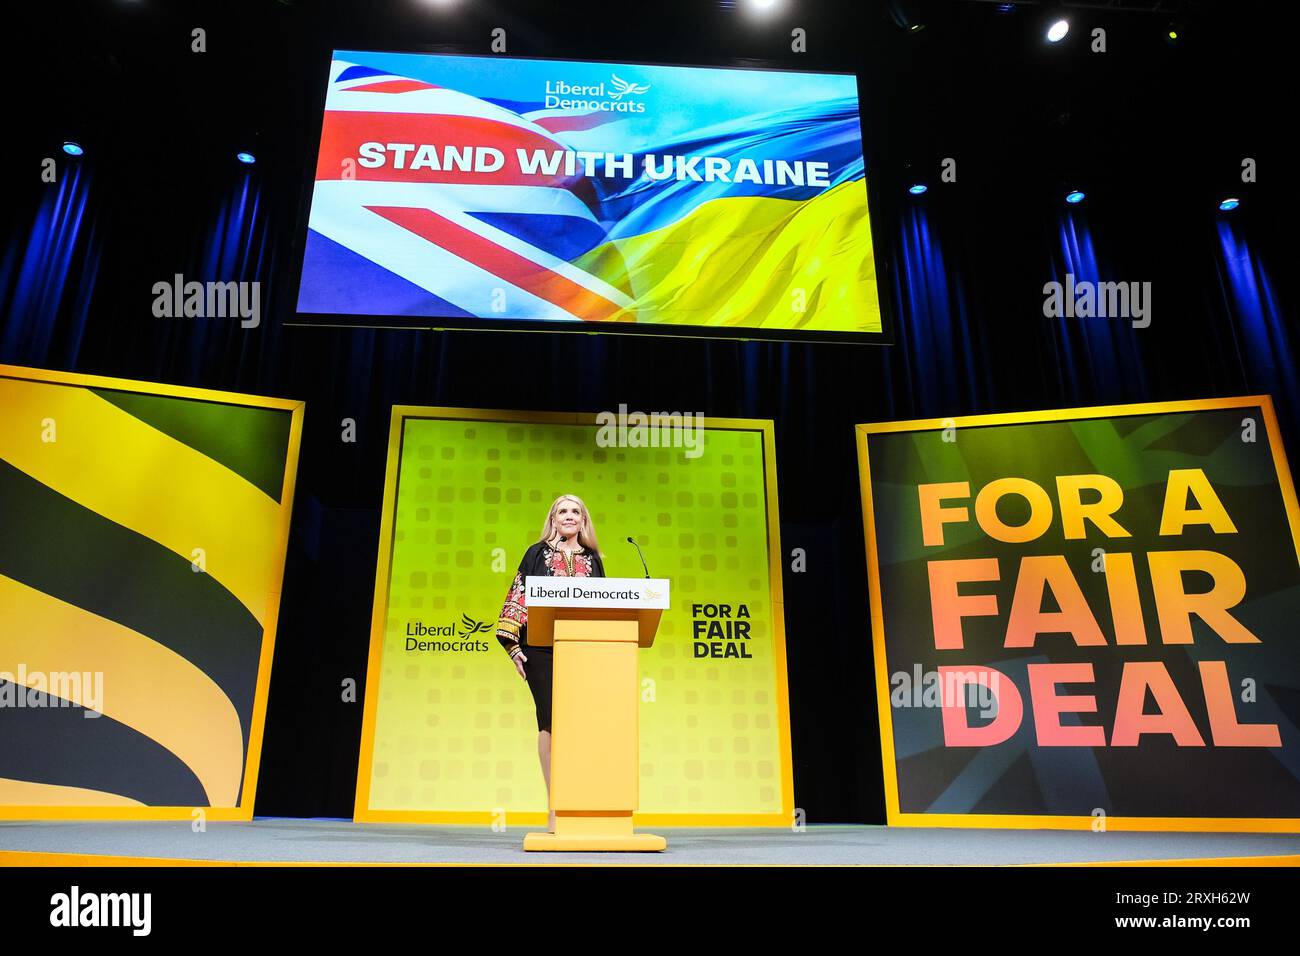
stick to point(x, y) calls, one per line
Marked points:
point(596, 628)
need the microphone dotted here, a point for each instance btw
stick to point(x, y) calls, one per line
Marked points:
point(638, 551)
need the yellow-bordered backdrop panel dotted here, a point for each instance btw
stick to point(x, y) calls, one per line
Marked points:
point(146, 528)
point(449, 736)
point(894, 814)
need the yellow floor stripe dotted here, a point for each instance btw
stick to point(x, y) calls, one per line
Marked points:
point(56, 858)
point(25, 793)
point(145, 480)
point(146, 686)
point(1280, 860)
point(42, 858)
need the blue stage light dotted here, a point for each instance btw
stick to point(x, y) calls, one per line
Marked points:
point(248, 159)
point(917, 189)
point(72, 149)
point(1075, 197)
point(1228, 205)
point(1057, 31)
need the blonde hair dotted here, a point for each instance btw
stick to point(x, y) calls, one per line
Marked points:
point(586, 533)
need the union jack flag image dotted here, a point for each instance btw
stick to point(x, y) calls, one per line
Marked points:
point(491, 188)
point(392, 241)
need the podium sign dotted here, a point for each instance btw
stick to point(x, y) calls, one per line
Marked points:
point(544, 591)
point(596, 626)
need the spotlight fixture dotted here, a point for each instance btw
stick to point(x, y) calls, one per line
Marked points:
point(1075, 196)
point(1229, 204)
point(73, 149)
point(248, 159)
point(1057, 31)
point(907, 15)
point(917, 189)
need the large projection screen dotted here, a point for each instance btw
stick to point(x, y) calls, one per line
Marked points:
point(489, 192)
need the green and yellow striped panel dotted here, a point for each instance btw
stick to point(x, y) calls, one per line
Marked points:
point(141, 540)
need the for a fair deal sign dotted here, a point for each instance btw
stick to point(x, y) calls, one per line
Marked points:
point(1087, 618)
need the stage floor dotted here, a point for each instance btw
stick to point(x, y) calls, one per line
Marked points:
point(297, 841)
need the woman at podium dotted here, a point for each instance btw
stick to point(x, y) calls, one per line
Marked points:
point(567, 548)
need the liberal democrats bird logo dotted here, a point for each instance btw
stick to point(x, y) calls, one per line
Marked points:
point(470, 626)
point(624, 88)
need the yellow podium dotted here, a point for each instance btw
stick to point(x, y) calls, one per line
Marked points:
point(596, 626)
